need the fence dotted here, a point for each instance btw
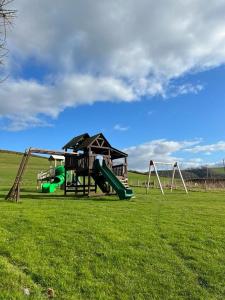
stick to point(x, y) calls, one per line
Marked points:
point(203, 185)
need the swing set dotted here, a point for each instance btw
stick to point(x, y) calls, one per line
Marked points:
point(175, 166)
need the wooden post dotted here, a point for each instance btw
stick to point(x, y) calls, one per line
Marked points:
point(76, 183)
point(182, 179)
point(84, 185)
point(149, 177)
point(89, 183)
point(157, 175)
point(65, 183)
point(172, 181)
point(18, 193)
point(125, 171)
point(95, 187)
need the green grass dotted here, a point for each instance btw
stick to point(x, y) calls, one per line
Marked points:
point(9, 164)
point(137, 176)
point(219, 170)
point(151, 247)
point(138, 179)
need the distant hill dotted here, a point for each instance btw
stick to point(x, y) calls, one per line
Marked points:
point(204, 172)
point(193, 173)
point(18, 153)
point(10, 151)
point(9, 163)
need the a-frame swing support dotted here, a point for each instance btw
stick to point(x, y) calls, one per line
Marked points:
point(14, 192)
point(152, 166)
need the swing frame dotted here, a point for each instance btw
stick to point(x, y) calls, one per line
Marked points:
point(175, 166)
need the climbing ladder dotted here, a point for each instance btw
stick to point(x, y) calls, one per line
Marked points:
point(14, 192)
point(124, 181)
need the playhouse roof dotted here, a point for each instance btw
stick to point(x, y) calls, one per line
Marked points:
point(97, 143)
point(76, 141)
point(97, 140)
point(115, 153)
point(56, 157)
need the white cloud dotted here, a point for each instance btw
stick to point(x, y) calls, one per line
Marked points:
point(192, 163)
point(16, 123)
point(183, 89)
point(208, 149)
point(126, 38)
point(120, 127)
point(25, 102)
point(159, 150)
point(170, 151)
point(109, 51)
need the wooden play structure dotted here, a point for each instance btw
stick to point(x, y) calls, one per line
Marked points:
point(56, 160)
point(91, 163)
point(88, 173)
point(175, 167)
point(49, 175)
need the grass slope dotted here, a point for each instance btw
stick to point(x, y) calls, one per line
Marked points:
point(151, 247)
point(219, 170)
point(9, 164)
point(137, 176)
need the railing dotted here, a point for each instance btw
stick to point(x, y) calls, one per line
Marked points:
point(46, 174)
point(77, 163)
point(119, 170)
point(83, 162)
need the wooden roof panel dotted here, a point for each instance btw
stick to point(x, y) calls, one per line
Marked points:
point(90, 141)
point(74, 142)
point(97, 142)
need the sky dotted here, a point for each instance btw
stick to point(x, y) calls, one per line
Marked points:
point(148, 74)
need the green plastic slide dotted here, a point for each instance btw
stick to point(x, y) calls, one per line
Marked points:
point(116, 184)
point(59, 179)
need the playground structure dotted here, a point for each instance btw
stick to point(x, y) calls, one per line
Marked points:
point(96, 165)
point(53, 182)
point(44, 178)
point(175, 166)
point(56, 160)
point(90, 163)
point(14, 192)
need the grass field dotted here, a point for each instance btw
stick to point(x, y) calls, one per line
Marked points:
point(151, 247)
point(219, 170)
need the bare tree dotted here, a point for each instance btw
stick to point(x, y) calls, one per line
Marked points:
point(6, 19)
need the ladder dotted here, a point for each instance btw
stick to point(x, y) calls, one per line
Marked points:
point(124, 181)
point(14, 192)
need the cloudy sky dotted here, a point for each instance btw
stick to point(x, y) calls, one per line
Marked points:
point(148, 74)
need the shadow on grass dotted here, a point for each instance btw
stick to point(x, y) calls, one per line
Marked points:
point(5, 189)
point(46, 196)
point(27, 193)
point(107, 200)
point(43, 196)
point(2, 196)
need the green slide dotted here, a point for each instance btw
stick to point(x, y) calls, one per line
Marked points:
point(59, 179)
point(110, 177)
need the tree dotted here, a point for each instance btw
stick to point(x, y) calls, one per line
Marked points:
point(6, 18)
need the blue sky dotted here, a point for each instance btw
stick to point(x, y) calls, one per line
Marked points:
point(161, 100)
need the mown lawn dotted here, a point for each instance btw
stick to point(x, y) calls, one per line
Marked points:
point(151, 247)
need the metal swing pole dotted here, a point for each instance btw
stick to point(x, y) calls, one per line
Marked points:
point(149, 177)
point(182, 179)
point(173, 175)
point(157, 175)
